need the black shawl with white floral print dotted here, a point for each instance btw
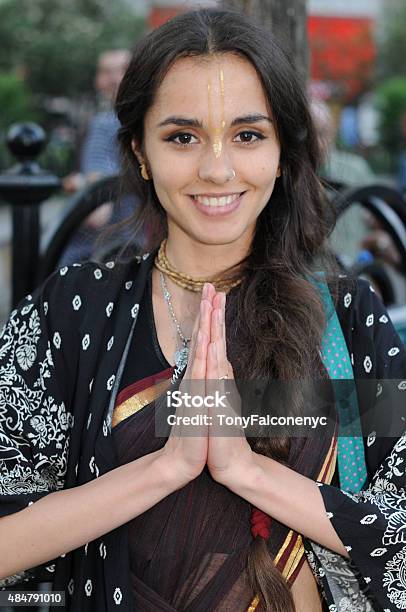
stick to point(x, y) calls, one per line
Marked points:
point(62, 353)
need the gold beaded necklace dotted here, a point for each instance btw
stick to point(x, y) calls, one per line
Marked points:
point(186, 281)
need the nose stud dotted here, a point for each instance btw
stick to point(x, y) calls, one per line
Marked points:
point(232, 177)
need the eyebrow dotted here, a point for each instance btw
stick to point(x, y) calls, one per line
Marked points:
point(184, 122)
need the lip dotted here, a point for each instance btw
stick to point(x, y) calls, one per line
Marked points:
point(217, 211)
point(216, 195)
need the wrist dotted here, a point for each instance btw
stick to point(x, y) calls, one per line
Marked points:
point(173, 474)
point(243, 477)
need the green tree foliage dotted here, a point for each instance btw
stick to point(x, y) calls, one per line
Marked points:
point(14, 100)
point(391, 76)
point(55, 43)
point(392, 103)
point(392, 42)
point(15, 106)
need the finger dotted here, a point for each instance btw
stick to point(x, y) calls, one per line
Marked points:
point(215, 327)
point(206, 308)
point(209, 292)
point(199, 356)
point(229, 369)
point(185, 385)
point(201, 323)
point(220, 336)
point(223, 305)
point(198, 367)
point(211, 371)
point(223, 321)
point(217, 301)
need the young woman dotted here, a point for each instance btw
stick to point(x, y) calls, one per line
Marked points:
point(218, 141)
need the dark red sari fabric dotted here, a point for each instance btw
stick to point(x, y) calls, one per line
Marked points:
point(189, 551)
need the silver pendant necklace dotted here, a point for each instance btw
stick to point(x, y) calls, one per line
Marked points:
point(181, 355)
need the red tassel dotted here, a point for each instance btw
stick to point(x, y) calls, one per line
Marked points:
point(260, 524)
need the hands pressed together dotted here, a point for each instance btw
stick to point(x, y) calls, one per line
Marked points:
point(268, 485)
point(223, 447)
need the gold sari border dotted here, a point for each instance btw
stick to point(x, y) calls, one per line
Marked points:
point(134, 403)
point(297, 552)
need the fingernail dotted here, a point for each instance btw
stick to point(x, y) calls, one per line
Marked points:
point(220, 316)
point(199, 336)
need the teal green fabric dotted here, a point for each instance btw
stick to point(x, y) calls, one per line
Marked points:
point(401, 329)
point(336, 359)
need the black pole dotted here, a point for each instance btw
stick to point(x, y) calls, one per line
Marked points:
point(25, 186)
point(25, 246)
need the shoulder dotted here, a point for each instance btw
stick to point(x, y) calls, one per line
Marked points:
point(73, 298)
point(91, 277)
point(79, 291)
point(359, 307)
point(370, 334)
point(355, 298)
point(73, 288)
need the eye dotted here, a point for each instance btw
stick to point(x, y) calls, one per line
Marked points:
point(181, 138)
point(247, 137)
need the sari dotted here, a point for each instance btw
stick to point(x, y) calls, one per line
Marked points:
point(189, 552)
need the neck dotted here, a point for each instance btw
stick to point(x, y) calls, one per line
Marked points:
point(202, 260)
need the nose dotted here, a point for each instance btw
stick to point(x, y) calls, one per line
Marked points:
point(216, 167)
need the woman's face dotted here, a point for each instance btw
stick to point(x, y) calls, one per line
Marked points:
point(211, 149)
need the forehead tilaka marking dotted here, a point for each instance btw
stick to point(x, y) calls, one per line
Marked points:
point(217, 131)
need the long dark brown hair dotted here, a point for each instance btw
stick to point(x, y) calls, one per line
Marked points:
point(275, 320)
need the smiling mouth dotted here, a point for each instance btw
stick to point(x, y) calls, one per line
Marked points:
point(217, 201)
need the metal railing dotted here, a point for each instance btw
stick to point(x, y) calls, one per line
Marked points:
point(24, 188)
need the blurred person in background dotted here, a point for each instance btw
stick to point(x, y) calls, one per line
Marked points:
point(339, 166)
point(341, 169)
point(360, 240)
point(99, 157)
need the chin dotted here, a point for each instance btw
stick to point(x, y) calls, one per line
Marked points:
point(221, 238)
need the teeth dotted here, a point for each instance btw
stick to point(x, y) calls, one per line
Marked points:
point(223, 201)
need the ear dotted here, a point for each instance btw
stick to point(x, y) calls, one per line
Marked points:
point(278, 172)
point(137, 151)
